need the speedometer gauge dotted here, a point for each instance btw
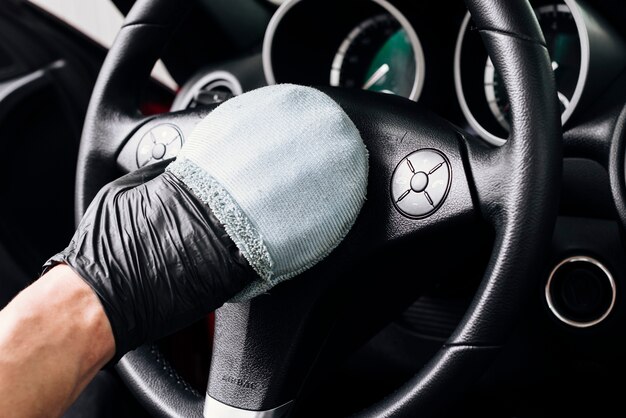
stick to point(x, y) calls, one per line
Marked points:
point(562, 40)
point(380, 55)
point(354, 44)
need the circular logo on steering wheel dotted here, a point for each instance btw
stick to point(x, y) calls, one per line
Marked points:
point(420, 183)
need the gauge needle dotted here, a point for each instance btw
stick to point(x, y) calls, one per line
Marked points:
point(378, 74)
point(563, 99)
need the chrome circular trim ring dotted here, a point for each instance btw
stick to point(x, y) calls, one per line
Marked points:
point(585, 58)
point(570, 322)
point(420, 62)
point(585, 55)
point(485, 134)
point(268, 39)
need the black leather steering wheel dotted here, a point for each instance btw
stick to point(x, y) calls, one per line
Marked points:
point(269, 351)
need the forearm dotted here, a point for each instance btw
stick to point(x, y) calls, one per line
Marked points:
point(54, 337)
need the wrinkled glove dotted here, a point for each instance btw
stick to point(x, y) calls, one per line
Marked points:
point(155, 255)
point(266, 186)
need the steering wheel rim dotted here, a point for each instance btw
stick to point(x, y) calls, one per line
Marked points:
point(520, 204)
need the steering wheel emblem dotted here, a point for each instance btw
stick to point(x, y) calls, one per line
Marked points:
point(420, 183)
point(159, 143)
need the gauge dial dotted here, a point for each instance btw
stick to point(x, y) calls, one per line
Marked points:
point(561, 34)
point(379, 55)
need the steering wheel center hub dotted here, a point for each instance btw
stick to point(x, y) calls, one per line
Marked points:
point(419, 182)
point(158, 151)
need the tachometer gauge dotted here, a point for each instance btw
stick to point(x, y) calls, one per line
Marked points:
point(585, 53)
point(562, 39)
point(380, 55)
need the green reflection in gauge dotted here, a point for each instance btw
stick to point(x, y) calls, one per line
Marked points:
point(393, 67)
point(378, 56)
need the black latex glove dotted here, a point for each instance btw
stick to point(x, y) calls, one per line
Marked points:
point(157, 257)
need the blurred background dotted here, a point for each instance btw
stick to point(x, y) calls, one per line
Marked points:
point(98, 19)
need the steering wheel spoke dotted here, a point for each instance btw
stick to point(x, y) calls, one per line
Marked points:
point(158, 138)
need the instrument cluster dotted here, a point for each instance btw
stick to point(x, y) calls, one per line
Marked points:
point(379, 45)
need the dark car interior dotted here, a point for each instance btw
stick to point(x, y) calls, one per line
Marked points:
point(512, 308)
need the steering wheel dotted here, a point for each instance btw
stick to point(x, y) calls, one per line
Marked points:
point(269, 351)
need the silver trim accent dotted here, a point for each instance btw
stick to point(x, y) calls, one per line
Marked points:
point(420, 62)
point(490, 94)
point(268, 39)
point(585, 58)
point(216, 409)
point(555, 311)
point(485, 134)
point(585, 55)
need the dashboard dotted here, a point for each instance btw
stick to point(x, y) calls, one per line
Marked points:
point(431, 53)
